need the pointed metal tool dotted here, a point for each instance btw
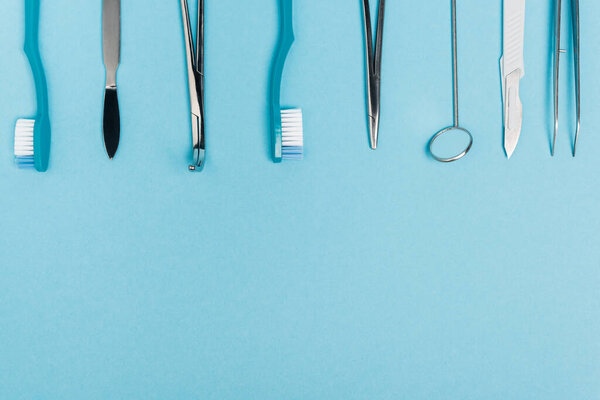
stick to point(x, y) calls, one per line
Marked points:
point(374, 68)
point(512, 69)
point(111, 41)
point(557, 52)
point(195, 71)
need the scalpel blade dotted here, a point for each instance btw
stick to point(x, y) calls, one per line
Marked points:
point(513, 70)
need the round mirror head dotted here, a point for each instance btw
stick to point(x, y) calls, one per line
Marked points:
point(449, 137)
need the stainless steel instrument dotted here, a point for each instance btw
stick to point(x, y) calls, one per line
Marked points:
point(374, 68)
point(557, 52)
point(456, 127)
point(512, 67)
point(111, 40)
point(195, 70)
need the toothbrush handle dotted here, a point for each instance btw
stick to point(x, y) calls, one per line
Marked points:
point(32, 50)
point(287, 20)
point(286, 39)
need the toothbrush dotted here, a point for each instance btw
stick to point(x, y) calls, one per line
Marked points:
point(287, 129)
point(32, 136)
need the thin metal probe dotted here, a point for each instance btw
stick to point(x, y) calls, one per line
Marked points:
point(575, 12)
point(557, 52)
point(455, 62)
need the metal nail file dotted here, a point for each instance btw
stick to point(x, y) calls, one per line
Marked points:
point(111, 41)
point(512, 69)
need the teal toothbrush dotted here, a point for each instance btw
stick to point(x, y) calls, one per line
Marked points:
point(32, 136)
point(287, 130)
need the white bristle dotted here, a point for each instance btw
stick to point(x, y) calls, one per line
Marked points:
point(24, 143)
point(292, 136)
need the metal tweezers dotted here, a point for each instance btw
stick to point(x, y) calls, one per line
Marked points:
point(374, 68)
point(557, 52)
point(195, 68)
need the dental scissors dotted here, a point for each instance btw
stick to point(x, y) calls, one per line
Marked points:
point(374, 68)
point(195, 69)
point(557, 53)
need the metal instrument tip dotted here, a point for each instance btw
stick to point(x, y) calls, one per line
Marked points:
point(511, 139)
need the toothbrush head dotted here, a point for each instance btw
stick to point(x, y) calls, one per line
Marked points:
point(24, 154)
point(292, 137)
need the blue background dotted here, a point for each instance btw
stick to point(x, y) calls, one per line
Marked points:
point(351, 275)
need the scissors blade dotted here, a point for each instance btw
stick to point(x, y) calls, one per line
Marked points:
point(513, 70)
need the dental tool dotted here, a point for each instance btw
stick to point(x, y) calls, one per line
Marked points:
point(111, 41)
point(456, 127)
point(576, 55)
point(195, 72)
point(373, 57)
point(512, 70)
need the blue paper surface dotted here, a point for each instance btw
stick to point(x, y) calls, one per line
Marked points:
point(351, 275)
